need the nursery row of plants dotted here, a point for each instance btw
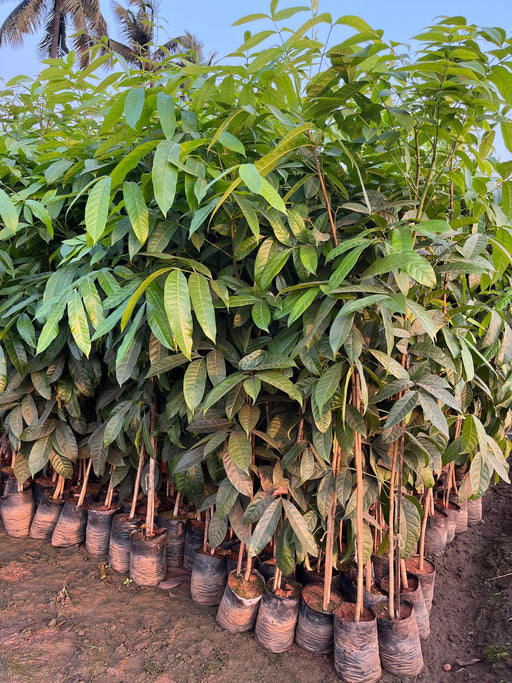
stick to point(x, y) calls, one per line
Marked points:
point(272, 293)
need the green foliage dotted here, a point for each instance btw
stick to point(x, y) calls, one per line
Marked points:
point(246, 238)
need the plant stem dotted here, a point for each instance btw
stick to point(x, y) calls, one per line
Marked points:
point(84, 485)
point(205, 535)
point(324, 193)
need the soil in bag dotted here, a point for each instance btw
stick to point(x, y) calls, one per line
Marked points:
point(240, 602)
point(46, 517)
point(315, 631)
point(277, 616)
point(147, 557)
point(70, 527)
point(209, 577)
point(356, 645)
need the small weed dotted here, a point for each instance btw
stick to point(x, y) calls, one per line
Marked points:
point(127, 582)
point(497, 653)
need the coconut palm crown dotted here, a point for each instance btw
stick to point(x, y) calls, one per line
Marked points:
point(54, 17)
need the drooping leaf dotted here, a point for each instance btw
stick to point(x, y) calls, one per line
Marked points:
point(165, 174)
point(179, 312)
point(97, 208)
point(266, 527)
point(194, 382)
point(202, 303)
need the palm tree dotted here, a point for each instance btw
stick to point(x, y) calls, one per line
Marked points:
point(138, 23)
point(55, 15)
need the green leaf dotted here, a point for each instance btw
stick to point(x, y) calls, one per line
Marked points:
point(433, 413)
point(248, 417)
point(137, 210)
point(419, 269)
point(216, 367)
point(401, 408)
point(92, 302)
point(240, 479)
point(179, 312)
point(506, 131)
point(125, 368)
point(261, 315)
point(227, 495)
point(240, 450)
point(65, 441)
point(325, 495)
point(469, 435)
point(232, 143)
point(133, 106)
point(130, 161)
point(8, 212)
point(340, 329)
point(165, 174)
point(194, 383)
point(114, 425)
point(346, 265)
point(343, 485)
point(266, 527)
point(56, 170)
point(497, 460)
point(96, 209)
point(391, 366)
point(282, 383)
point(410, 527)
point(217, 530)
point(300, 528)
point(98, 450)
point(327, 385)
point(167, 114)
point(78, 323)
point(202, 303)
point(422, 317)
point(222, 389)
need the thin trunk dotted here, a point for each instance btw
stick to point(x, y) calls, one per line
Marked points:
point(84, 485)
point(59, 489)
point(57, 14)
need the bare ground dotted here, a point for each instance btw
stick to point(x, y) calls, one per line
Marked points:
point(66, 618)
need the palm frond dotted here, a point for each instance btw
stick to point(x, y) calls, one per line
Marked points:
point(27, 17)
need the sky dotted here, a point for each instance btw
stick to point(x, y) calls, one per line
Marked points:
point(211, 21)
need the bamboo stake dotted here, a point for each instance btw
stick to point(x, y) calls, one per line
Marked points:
point(110, 490)
point(359, 500)
point(150, 513)
point(421, 548)
point(403, 572)
point(391, 532)
point(177, 502)
point(329, 543)
point(240, 558)
point(277, 579)
point(84, 485)
point(205, 534)
point(368, 575)
point(136, 486)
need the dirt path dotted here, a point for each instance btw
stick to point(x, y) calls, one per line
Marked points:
point(65, 619)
